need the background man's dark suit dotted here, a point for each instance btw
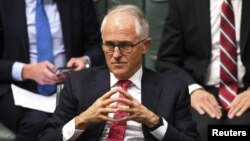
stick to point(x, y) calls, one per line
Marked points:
point(80, 37)
point(186, 48)
point(160, 94)
point(80, 33)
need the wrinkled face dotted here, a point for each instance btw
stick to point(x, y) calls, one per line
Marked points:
point(120, 29)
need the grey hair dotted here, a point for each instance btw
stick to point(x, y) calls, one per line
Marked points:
point(141, 23)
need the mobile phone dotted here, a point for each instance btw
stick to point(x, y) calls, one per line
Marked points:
point(62, 70)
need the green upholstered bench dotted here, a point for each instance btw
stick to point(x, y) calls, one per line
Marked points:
point(6, 134)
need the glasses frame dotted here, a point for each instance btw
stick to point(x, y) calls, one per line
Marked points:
point(120, 46)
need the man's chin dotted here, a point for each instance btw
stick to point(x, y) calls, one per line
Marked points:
point(118, 66)
point(119, 73)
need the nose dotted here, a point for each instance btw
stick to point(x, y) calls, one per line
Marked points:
point(117, 52)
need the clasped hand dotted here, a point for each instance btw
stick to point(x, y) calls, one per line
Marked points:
point(99, 110)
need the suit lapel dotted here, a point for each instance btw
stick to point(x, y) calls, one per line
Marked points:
point(64, 12)
point(203, 19)
point(245, 22)
point(101, 84)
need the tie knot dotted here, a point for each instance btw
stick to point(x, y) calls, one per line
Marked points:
point(124, 84)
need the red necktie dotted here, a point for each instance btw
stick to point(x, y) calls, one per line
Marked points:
point(117, 129)
point(228, 67)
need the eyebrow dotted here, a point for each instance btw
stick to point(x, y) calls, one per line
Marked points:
point(116, 43)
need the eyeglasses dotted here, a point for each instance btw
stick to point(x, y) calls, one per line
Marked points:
point(124, 47)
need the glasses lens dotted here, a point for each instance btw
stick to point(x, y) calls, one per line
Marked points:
point(107, 48)
point(125, 49)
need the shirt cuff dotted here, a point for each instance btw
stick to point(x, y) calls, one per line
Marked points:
point(69, 132)
point(160, 132)
point(193, 87)
point(88, 60)
point(17, 70)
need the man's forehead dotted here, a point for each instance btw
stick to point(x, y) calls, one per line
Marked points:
point(120, 26)
point(119, 18)
point(119, 29)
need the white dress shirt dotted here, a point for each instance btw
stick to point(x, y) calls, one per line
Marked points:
point(213, 71)
point(52, 13)
point(133, 129)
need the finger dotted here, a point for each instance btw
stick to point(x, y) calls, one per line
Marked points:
point(47, 79)
point(235, 109)
point(52, 78)
point(214, 111)
point(77, 66)
point(70, 63)
point(50, 66)
point(107, 118)
point(124, 118)
point(109, 93)
point(48, 82)
point(77, 63)
point(49, 73)
point(112, 106)
point(125, 93)
point(61, 77)
point(215, 106)
point(110, 103)
point(199, 110)
point(207, 110)
point(108, 110)
point(127, 109)
point(126, 101)
point(242, 110)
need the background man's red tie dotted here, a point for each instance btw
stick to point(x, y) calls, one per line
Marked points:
point(117, 129)
point(228, 67)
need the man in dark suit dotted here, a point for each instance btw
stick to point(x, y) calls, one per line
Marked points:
point(76, 37)
point(156, 106)
point(190, 50)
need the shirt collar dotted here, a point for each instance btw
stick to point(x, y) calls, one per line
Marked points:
point(136, 78)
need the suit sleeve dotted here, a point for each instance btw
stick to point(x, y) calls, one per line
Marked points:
point(64, 112)
point(171, 55)
point(5, 66)
point(181, 127)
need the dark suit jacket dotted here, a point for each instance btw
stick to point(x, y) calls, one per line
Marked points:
point(165, 96)
point(80, 29)
point(186, 41)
